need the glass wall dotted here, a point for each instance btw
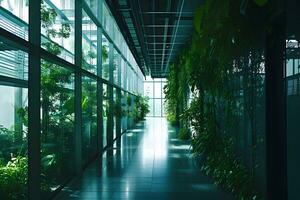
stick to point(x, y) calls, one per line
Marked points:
point(57, 125)
point(13, 141)
point(153, 88)
point(104, 114)
point(14, 17)
point(82, 53)
point(89, 118)
point(57, 30)
point(124, 108)
point(89, 44)
point(115, 110)
point(293, 97)
point(13, 121)
point(105, 59)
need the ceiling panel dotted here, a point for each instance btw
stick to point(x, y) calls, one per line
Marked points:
point(159, 29)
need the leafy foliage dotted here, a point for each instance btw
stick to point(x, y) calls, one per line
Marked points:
point(176, 91)
point(222, 66)
point(13, 179)
point(118, 111)
point(6, 141)
point(261, 2)
point(129, 100)
point(141, 108)
point(184, 134)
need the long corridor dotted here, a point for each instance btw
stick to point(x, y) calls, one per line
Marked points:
point(149, 162)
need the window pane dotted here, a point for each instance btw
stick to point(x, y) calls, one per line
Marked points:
point(123, 73)
point(148, 89)
point(156, 97)
point(106, 19)
point(13, 142)
point(157, 108)
point(13, 62)
point(89, 44)
point(116, 66)
point(115, 118)
point(93, 5)
point(124, 112)
point(151, 107)
point(157, 89)
point(105, 110)
point(148, 78)
point(57, 29)
point(130, 101)
point(57, 126)
point(14, 17)
point(105, 59)
point(289, 67)
point(89, 119)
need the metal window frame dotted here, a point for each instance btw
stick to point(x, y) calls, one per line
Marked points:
point(35, 53)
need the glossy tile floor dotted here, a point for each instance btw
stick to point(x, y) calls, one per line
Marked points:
point(147, 163)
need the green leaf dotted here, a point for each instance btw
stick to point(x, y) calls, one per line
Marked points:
point(48, 160)
point(261, 2)
point(69, 105)
point(198, 19)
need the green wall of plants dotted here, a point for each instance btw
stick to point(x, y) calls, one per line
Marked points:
point(222, 66)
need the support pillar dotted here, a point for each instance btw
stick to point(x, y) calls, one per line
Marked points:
point(276, 108)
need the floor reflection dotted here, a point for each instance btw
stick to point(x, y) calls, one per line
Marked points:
point(148, 162)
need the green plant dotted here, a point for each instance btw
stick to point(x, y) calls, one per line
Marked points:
point(13, 165)
point(141, 107)
point(177, 90)
point(221, 65)
point(171, 118)
point(261, 2)
point(57, 103)
point(129, 100)
point(184, 134)
point(6, 141)
point(13, 161)
point(105, 65)
point(118, 111)
point(13, 179)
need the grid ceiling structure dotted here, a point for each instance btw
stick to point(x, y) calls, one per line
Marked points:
point(155, 29)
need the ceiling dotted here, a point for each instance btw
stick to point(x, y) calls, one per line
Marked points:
point(156, 30)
